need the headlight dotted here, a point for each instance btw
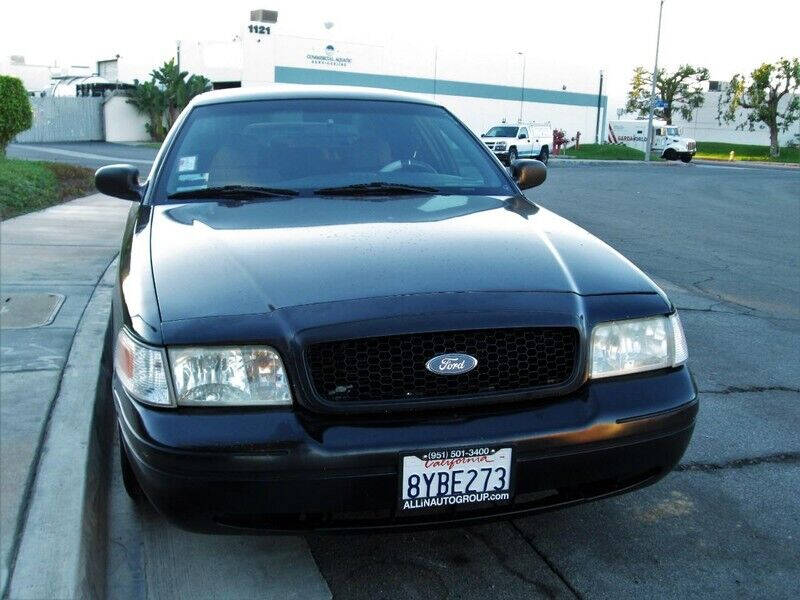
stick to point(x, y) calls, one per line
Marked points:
point(623, 347)
point(229, 376)
point(141, 370)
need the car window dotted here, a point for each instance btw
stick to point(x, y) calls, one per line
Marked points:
point(308, 144)
point(523, 132)
point(504, 131)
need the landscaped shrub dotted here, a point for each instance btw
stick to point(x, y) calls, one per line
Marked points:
point(15, 110)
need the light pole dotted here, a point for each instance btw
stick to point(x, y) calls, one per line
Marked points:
point(435, 70)
point(597, 139)
point(522, 87)
point(649, 144)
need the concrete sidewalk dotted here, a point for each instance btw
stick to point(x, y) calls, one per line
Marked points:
point(60, 528)
point(51, 263)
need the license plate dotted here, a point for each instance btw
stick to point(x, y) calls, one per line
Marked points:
point(454, 477)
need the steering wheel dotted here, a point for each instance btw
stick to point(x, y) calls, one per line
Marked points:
point(408, 164)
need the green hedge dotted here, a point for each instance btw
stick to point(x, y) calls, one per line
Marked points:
point(15, 110)
point(26, 186)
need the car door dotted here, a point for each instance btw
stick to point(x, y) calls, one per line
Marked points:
point(538, 134)
point(523, 142)
point(659, 138)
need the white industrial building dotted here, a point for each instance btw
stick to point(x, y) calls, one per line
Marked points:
point(49, 80)
point(35, 78)
point(480, 87)
point(705, 127)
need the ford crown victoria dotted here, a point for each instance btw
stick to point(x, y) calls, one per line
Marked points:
point(336, 309)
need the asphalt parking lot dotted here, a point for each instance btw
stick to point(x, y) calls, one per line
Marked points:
point(725, 245)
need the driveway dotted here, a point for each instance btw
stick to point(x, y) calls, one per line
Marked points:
point(88, 154)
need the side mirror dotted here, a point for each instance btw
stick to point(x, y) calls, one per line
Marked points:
point(522, 136)
point(483, 135)
point(120, 181)
point(528, 173)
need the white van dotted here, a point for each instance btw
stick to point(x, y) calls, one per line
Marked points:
point(520, 140)
point(668, 143)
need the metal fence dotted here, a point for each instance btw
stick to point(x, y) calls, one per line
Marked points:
point(57, 119)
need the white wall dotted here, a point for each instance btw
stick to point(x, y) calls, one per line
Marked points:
point(35, 78)
point(704, 126)
point(122, 121)
point(418, 67)
point(219, 61)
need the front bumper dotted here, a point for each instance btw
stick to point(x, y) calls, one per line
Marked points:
point(281, 471)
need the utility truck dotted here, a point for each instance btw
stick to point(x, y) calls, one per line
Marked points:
point(509, 142)
point(668, 143)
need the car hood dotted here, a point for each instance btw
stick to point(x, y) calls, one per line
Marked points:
point(234, 258)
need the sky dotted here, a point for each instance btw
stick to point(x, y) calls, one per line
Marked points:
point(615, 35)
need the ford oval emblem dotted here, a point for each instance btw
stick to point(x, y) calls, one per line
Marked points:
point(451, 364)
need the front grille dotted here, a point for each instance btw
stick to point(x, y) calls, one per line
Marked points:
point(378, 369)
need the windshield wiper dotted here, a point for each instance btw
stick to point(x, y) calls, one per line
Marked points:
point(234, 191)
point(376, 188)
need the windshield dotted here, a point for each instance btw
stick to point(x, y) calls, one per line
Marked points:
point(308, 145)
point(508, 132)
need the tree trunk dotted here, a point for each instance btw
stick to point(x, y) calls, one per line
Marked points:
point(774, 150)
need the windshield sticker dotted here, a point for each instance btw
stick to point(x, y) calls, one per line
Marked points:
point(187, 163)
point(194, 177)
point(192, 181)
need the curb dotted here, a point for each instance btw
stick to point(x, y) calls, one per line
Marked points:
point(747, 164)
point(62, 547)
point(674, 164)
point(596, 162)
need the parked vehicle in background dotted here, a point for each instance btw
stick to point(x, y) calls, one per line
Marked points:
point(523, 140)
point(668, 141)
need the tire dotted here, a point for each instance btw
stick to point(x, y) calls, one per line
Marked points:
point(670, 154)
point(544, 154)
point(686, 158)
point(512, 155)
point(132, 487)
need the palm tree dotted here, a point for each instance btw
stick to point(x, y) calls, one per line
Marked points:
point(164, 97)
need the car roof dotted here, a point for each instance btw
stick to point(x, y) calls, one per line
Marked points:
point(280, 91)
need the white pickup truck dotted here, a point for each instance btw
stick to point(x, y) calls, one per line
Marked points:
point(668, 143)
point(522, 140)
